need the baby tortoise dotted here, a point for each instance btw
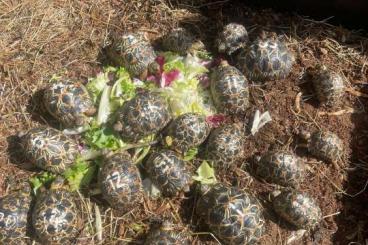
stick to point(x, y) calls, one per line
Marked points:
point(120, 182)
point(298, 209)
point(234, 216)
point(225, 144)
point(181, 41)
point(187, 131)
point(229, 89)
point(147, 113)
point(328, 85)
point(69, 103)
point(14, 216)
point(266, 59)
point(233, 37)
point(167, 234)
point(49, 149)
point(56, 218)
point(280, 167)
point(168, 172)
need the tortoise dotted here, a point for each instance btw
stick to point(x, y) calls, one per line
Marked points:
point(225, 144)
point(280, 167)
point(147, 113)
point(187, 131)
point(229, 89)
point(69, 103)
point(167, 234)
point(234, 216)
point(232, 37)
point(265, 58)
point(56, 217)
point(49, 149)
point(328, 85)
point(180, 40)
point(14, 216)
point(120, 182)
point(168, 172)
point(299, 209)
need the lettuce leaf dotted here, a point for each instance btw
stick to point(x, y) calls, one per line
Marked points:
point(43, 179)
point(96, 85)
point(80, 174)
point(205, 174)
point(102, 137)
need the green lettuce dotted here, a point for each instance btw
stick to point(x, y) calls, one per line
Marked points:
point(80, 174)
point(102, 137)
point(205, 174)
point(43, 179)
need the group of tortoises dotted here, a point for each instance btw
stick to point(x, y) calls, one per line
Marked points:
point(233, 215)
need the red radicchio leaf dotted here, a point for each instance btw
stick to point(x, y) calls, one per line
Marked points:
point(168, 77)
point(215, 120)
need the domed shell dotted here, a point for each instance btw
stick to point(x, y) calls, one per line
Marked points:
point(56, 218)
point(120, 182)
point(233, 37)
point(266, 59)
point(49, 149)
point(69, 103)
point(181, 41)
point(225, 144)
point(168, 172)
point(147, 113)
point(281, 167)
point(187, 131)
point(298, 209)
point(229, 89)
point(232, 215)
point(326, 146)
point(14, 216)
point(167, 233)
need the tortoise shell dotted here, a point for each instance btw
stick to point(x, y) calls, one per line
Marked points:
point(147, 113)
point(49, 149)
point(167, 234)
point(56, 218)
point(14, 215)
point(281, 167)
point(233, 37)
point(229, 89)
point(168, 172)
point(298, 209)
point(120, 182)
point(69, 103)
point(225, 144)
point(187, 131)
point(232, 215)
point(326, 146)
point(266, 59)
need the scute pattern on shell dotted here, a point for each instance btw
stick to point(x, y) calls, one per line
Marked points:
point(168, 172)
point(265, 59)
point(69, 103)
point(120, 182)
point(232, 215)
point(49, 149)
point(226, 144)
point(326, 146)
point(298, 209)
point(233, 37)
point(281, 167)
point(166, 235)
point(187, 131)
point(147, 113)
point(230, 91)
point(179, 40)
point(14, 214)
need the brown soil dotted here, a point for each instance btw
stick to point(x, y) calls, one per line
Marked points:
point(39, 39)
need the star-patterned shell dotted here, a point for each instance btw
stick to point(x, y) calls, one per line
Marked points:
point(120, 182)
point(147, 113)
point(187, 131)
point(181, 41)
point(280, 167)
point(168, 172)
point(49, 149)
point(298, 209)
point(167, 234)
point(233, 37)
point(234, 216)
point(14, 216)
point(229, 89)
point(225, 144)
point(265, 59)
point(69, 103)
point(56, 218)
point(326, 146)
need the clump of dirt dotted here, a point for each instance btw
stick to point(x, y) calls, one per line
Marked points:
point(40, 39)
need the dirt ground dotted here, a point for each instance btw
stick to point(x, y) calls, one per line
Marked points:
point(39, 38)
